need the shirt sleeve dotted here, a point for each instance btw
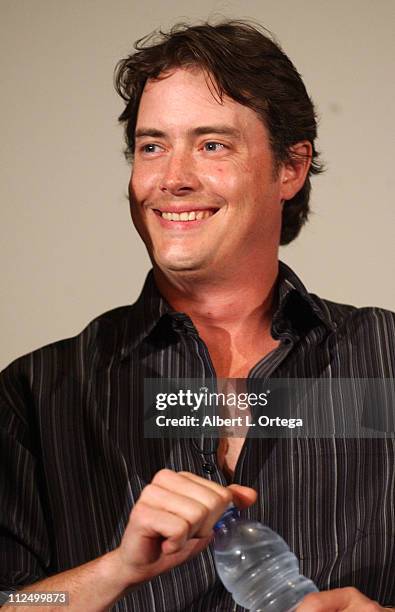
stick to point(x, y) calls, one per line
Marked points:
point(24, 542)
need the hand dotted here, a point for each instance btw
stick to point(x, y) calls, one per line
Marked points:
point(172, 521)
point(339, 600)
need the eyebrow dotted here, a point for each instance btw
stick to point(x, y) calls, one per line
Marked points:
point(199, 131)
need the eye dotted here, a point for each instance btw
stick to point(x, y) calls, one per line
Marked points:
point(213, 146)
point(150, 148)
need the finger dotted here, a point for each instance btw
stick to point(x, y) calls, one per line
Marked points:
point(212, 496)
point(314, 603)
point(338, 600)
point(243, 497)
point(190, 484)
point(151, 524)
point(191, 510)
point(191, 548)
point(214, 486)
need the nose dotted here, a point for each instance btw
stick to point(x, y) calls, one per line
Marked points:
point(179, 174)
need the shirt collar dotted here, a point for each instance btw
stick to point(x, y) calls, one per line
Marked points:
point(297, 310)
point(296, 313)
point(145, 315)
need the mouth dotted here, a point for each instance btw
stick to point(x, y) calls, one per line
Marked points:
point(186, 216)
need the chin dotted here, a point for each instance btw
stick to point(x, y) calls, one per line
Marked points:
point(178, 263)
point(173, 259)
point(178, 266)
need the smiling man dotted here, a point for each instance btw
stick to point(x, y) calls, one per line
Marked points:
point(221, 135)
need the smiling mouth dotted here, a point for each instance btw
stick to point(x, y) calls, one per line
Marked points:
point(192, 215)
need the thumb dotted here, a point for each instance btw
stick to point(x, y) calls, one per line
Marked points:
point(243, 497)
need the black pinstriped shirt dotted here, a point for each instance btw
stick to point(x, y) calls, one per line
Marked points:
point(73, 458)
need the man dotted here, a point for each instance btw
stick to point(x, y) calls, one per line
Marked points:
point(221, 131)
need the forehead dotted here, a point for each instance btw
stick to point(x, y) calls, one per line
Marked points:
point(186, 96)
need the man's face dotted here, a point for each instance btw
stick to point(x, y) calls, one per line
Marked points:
point(210, 163)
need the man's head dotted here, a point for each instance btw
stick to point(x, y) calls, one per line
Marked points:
point(206, 138)
point(243, 63)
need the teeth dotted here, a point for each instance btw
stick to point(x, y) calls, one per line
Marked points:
point(187, 216)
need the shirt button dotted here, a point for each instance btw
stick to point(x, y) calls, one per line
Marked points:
point(208, 467)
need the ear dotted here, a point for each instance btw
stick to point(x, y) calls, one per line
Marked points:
point(293, 172)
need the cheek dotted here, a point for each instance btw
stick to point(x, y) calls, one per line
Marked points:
point(142, 182)
point(224, 181)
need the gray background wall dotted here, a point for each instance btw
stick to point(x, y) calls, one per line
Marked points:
point(68, 249)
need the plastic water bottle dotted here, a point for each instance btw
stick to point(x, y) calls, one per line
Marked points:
point(257, 566)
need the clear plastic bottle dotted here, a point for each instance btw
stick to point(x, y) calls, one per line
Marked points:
point(257, 566)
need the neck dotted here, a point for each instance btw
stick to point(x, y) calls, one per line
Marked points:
point(245, 301)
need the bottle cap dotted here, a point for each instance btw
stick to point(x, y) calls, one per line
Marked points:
point(231, 512)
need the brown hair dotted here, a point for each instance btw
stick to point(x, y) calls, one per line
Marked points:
point(244, 63)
